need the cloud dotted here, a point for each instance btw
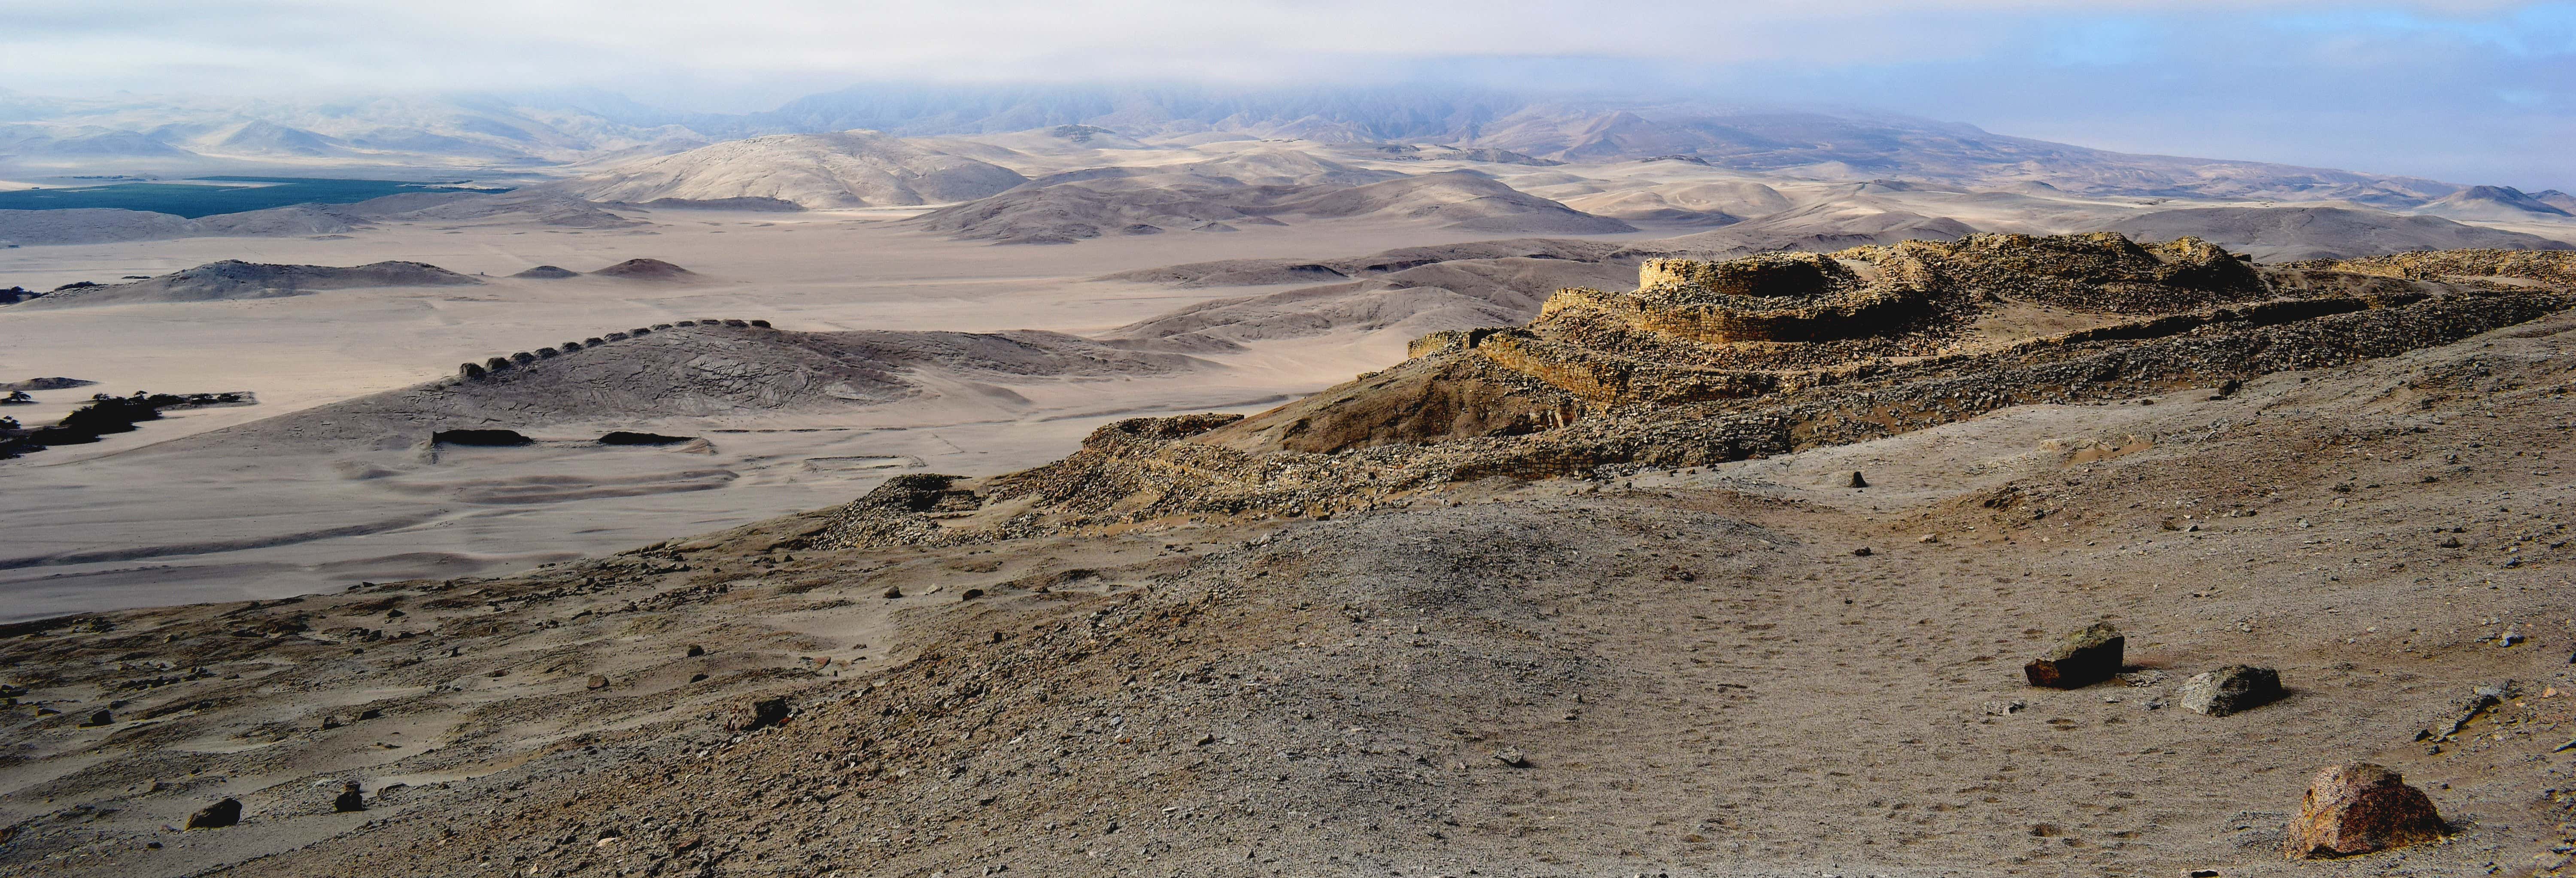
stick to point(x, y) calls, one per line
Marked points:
point(2461, 89)
point(270, 45)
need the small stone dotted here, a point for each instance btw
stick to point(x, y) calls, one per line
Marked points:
point(2231, 689)
point(971, 594)
point(1512, 757)
point(697, 678)
point(2079, 659)
point(350, 799)
point(893, 592)
point(2509, 638)
point(370, 713)
point(1864, 552)
point(101, 718)
point(597, 682)
point(1204, 740)
point(696, 650)
point(2358, 808)
point(217, 816)
point(1928, 538)
point(757, 714)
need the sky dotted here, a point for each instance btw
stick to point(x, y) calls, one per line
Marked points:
point(2472, 91)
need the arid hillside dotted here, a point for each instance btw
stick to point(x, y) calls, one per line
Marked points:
point(1732, 574)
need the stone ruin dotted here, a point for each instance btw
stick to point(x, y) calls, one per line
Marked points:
point(470, 371)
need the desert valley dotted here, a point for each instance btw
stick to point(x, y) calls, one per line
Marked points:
point(1503, 487)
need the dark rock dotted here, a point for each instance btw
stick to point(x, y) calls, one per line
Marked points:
point(217, 815)
point(2080, 659)
point(697, 678)
point(488, 438)
point(696, 650)
point(971, 594)
point(101, 718)
point(1862, 552)
point(2358, 808)
point(624, 437)
point(2231, 689)
point(758, 713)
point(350, 799)
point(893, 591)
point(469, 371)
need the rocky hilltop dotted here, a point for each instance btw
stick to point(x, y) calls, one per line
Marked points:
point(1710, 362)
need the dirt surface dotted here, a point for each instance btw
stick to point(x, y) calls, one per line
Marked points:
point(1681, 672)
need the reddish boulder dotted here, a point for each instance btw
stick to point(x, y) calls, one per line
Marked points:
point(2358, 808)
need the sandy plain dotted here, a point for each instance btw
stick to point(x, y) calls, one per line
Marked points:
point(116, 524)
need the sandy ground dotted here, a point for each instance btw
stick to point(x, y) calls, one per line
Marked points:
point(1693, 672)
point(116, 525)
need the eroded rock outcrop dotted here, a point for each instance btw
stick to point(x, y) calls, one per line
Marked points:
point(1707, 362)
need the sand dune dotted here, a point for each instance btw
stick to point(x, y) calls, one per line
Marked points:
point(1824, 227)
point(839, 170)
point(234, 279)
point(2278, 233)
point(2497, 203)
point(1257, 272)
point(1450, 294)
point(1256, 189)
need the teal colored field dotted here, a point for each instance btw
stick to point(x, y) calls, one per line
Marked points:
point(194, 200)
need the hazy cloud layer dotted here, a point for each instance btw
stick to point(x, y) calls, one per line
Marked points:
point(2459, 90)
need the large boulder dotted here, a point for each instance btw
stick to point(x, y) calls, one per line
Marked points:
point(2231, 689)
point(217, 815)
point(2357, 808)
point(2080, 659)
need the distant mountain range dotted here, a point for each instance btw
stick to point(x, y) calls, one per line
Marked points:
point(559, 134)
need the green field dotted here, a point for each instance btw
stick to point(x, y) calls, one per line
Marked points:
point(194, 200)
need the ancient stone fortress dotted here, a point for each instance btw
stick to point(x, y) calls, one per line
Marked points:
point(487, 368)
point(1711, 361)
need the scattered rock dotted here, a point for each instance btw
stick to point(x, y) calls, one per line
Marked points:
point(697, 678)
point(597, 682)
point(758, 713)
point(2358, 808)
point(217, 815)
point(2231, 689)
point(350, 799)
point(893, 592)
point(696, 650)
point(1847, 479)
point(2080, 659)
point(1864, 552)
point(1512, 757)
point(971, 594)
point(101, 718)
